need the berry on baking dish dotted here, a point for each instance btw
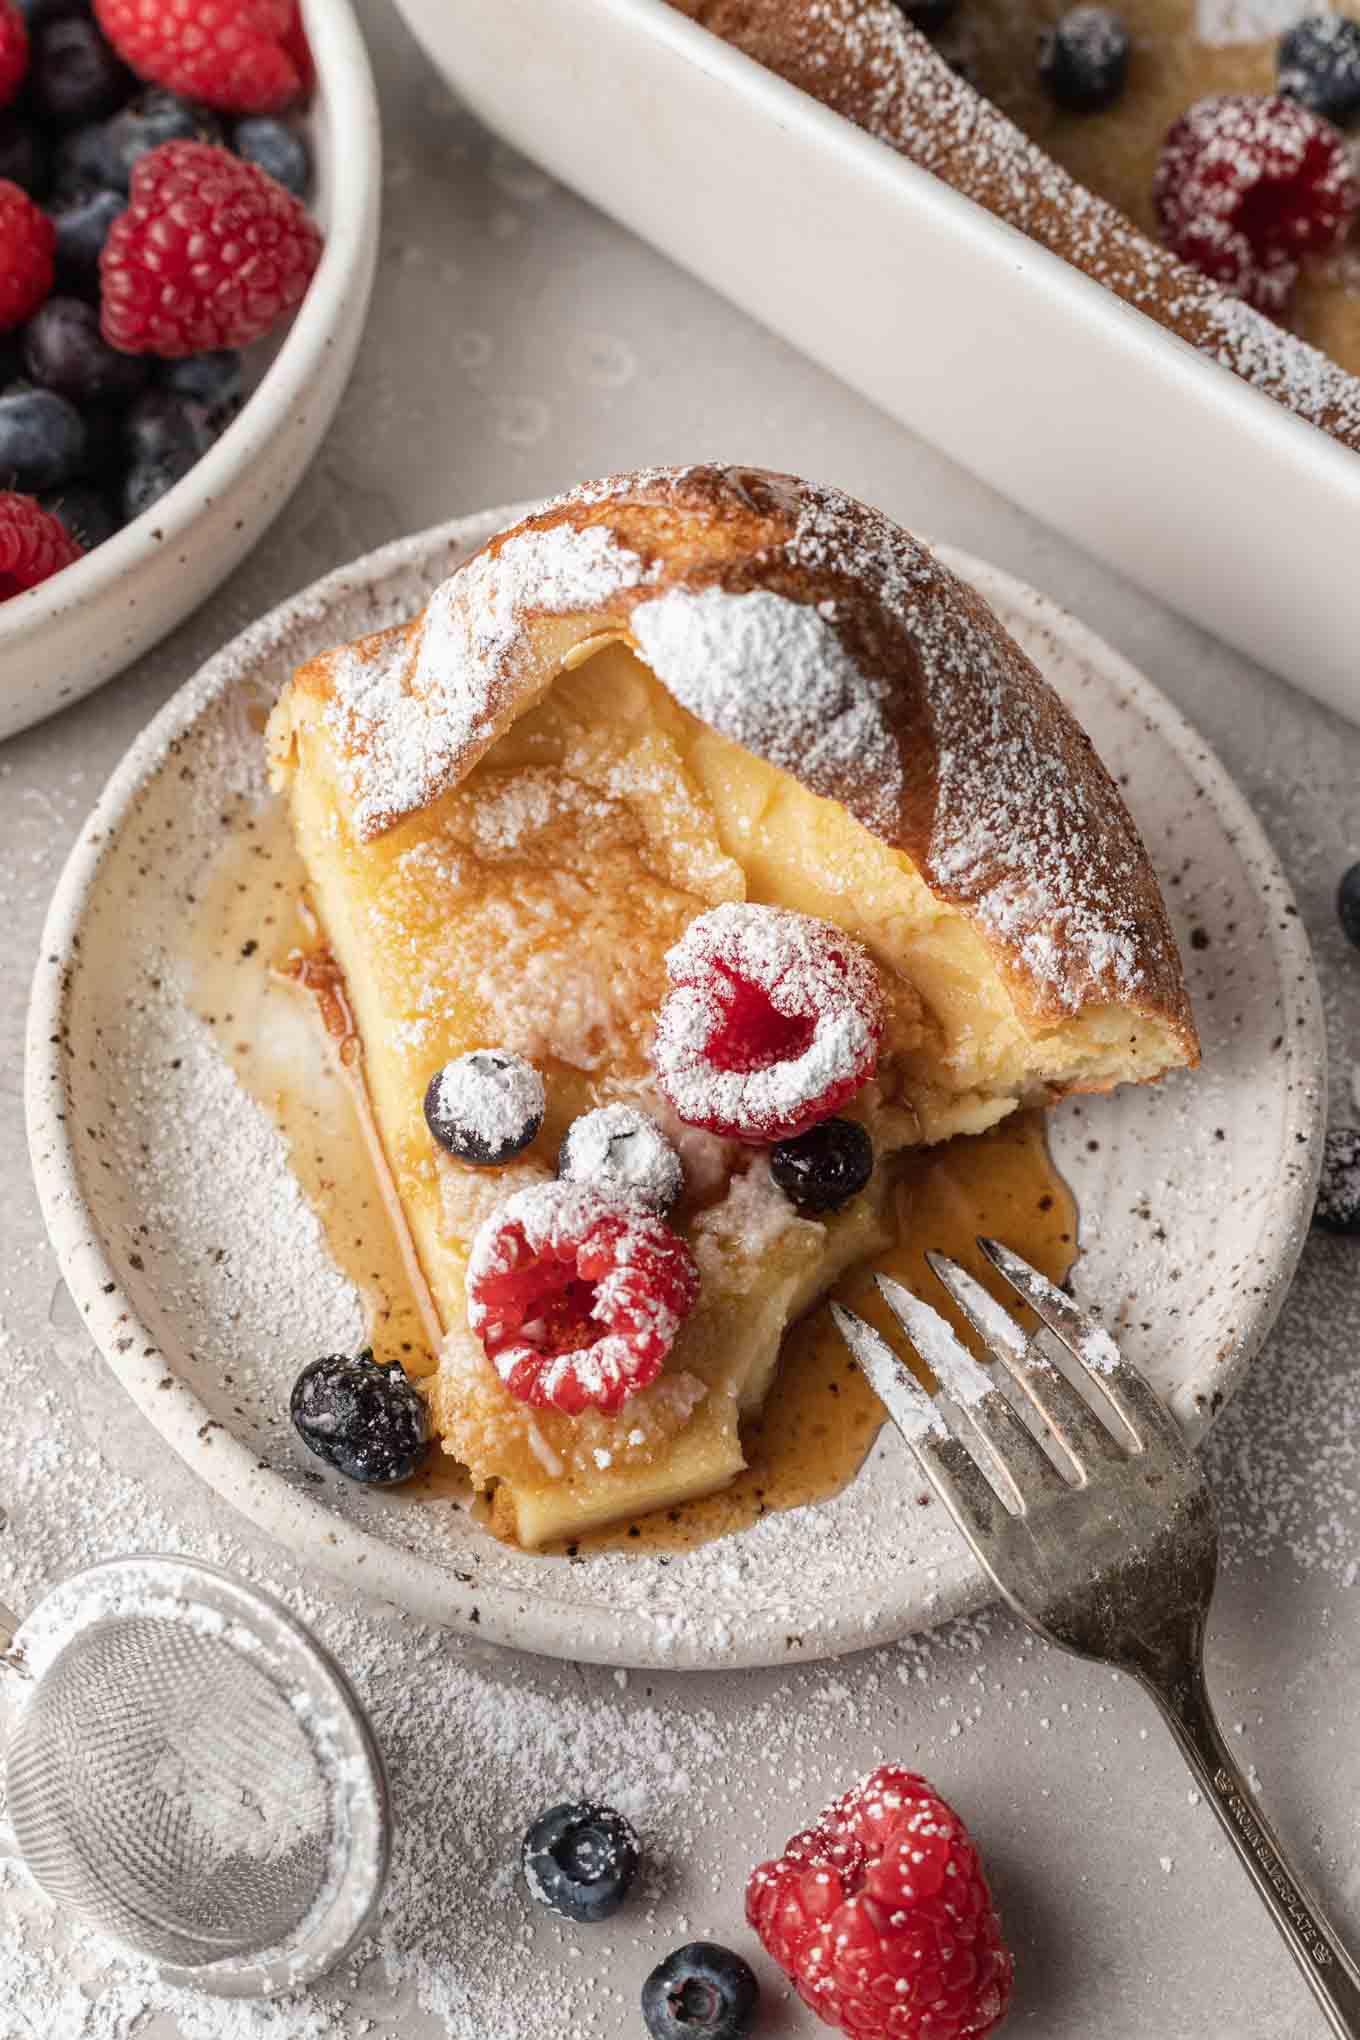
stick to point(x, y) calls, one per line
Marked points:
point(700, 1992)
point(364, 1419)
point(822, 1169)
point(1319, 65)
point(1084, 59)
point(486, 1106)
point(620, 1149)
point(210, 253)
point(580, 1861)
point(1245, 186)
point(881, 1918)
point(577, 1296)
point(238, 55)
point(774, 1022)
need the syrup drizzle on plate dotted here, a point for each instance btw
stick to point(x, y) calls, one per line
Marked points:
point(258, 980)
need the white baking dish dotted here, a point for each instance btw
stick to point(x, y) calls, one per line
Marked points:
point(1206, 492)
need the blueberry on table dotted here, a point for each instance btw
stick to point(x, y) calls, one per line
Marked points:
point(82, 219)
point(485, 1107)
point(1318, 64)
point(367, 1421)
point(701, 1992)
point(275, 148)
point(1084, 59)
point(1348, 904)
point(63, 351)
point(580, 1861)
point(822, 1169)
point(42, 440)
point(73, 74)
point(84, 512)
point(154, 117)
point(1338, 1200)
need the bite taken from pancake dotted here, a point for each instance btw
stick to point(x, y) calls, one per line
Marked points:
point(703, 848)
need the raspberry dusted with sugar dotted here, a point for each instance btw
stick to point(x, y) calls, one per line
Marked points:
point(1245, 186)
point(881, 1917)
point(774, 1022)
point(33, 544)
point(577, 1295)
point(242, 56)
point(210, 253)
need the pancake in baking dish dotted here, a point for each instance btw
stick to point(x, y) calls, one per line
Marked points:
point(696, 721)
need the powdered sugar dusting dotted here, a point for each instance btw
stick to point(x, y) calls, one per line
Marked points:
point(492, 1097)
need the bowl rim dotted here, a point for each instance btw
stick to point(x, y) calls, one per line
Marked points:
point(346, 99)
point(358, 1557)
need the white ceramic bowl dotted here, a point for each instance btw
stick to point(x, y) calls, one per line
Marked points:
point(64, 638)
point(1121, 435)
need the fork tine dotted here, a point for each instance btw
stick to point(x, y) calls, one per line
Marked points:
point(1088, 1342)
point(1085, 1440)
point(955, 1476)
point(1029, 1474)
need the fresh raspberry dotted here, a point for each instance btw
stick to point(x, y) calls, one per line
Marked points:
point(13, 51)
point(232, 54)
point(1245, 186)
point(210, 253)
point(774, 1022)
point(33, 544)
point(27, 241)
point(577, 1295)
point(881, 1917)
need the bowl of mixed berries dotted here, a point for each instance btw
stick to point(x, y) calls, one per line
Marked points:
point(188, 231)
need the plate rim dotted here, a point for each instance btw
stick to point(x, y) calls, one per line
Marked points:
point(359, 1558)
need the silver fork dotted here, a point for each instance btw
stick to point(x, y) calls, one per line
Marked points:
point(1112, 1554)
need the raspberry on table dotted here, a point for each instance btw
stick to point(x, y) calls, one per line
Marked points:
point(881, 1918)
point(27, 242)
point(774, 1022)
point(210, 253)
point(13, 52)
point(1245, 186)
point(33, 544)
point(577, 1295)
point(237, 55)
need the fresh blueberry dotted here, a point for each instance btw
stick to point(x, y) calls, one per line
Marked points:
point(63, 350)
point(1319, 65)
point(276, 148)
point(580, 1861)
point(210, 380)
point(701, 1992)
point(84, 512)
point(25, 158)
point(825, 1167)
point(82, 221)
point(161, 424)
point(154, 117)
point(1348, 904)
point(928, 15)
point(1084, 59)
point(81, 160)
point(10, 366)
point(147, 481)
point(73, 74)
point(367, 1421)
point(486, 1106)
point(42, 440)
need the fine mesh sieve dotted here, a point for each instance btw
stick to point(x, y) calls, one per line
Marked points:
point(193, 1773)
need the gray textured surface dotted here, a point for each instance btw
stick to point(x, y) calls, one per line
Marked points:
point(517, 343)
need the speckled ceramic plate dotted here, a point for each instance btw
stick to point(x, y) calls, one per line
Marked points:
point(195, 1271)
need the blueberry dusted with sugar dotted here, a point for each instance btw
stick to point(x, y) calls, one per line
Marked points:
point(1338, 1199)
point(1319, 65)
point(63, 350)
point(1084, 59)
point(73, 74)
point(367, 1421)
point(42, 440)
point(1348, 904)
point(275, 148)
point(619, 1148)
point(822, 1169)
point(580, 1861)
point(486, 1106)
point(701, 1992)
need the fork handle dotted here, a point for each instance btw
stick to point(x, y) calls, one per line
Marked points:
point(1330, 1973)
